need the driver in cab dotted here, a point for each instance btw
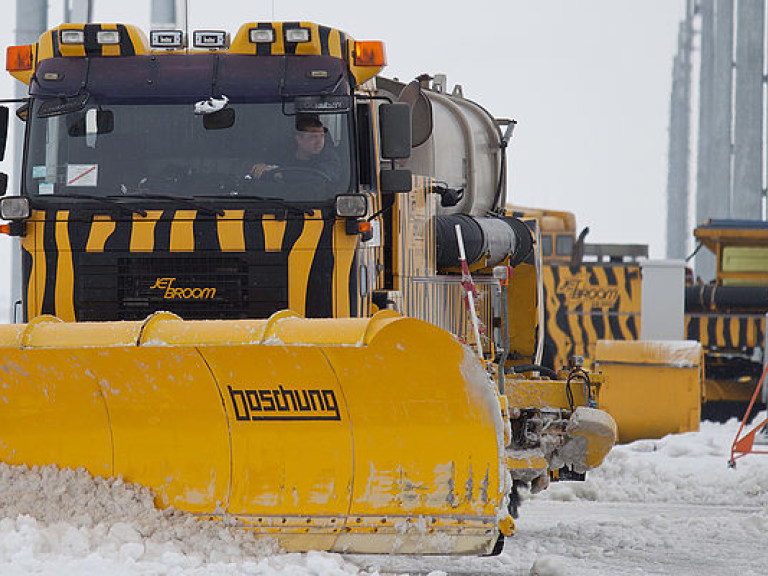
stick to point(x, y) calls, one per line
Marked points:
point(311, 156)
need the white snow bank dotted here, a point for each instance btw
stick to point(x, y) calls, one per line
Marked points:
point(549, 566)
point(684, 468)
point(669, 506)
point(66, 522)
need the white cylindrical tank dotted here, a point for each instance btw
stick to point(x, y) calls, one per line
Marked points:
point(462, 149)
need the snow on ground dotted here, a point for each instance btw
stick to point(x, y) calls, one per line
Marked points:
point(668, 506)
point(64, 522)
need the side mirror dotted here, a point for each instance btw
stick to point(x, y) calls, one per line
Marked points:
point(421, 112)
point(22, 112)
point(3, 132)
point(395, 181)
point(92, 122)
point(395, 129)
point(3, 183)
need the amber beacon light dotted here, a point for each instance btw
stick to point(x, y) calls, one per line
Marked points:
point(370, 53)
point(18, 58)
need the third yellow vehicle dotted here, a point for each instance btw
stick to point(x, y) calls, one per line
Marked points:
point(728, 314)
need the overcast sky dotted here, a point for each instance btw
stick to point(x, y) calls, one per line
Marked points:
point(588, 82)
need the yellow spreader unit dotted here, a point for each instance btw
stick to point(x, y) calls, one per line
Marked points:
point(652, 388)
point(357, 435)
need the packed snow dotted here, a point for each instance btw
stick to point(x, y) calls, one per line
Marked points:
point(669, 506)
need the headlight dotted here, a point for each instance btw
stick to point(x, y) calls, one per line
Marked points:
point(351, 206)
point(14, 208)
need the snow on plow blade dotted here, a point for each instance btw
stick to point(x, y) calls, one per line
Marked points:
point(652, 388)
point(360, 435)
point(591, 434)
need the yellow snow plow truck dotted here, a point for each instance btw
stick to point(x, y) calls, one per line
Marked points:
point(728, 314)
point(602, 303)
point(242, 287)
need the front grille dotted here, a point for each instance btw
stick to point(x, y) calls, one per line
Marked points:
point(194, 286)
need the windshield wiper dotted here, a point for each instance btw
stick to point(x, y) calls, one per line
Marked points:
point(265, 200)
point(104, 200)
point(176, 199)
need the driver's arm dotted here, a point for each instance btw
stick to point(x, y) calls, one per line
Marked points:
point(258, 170)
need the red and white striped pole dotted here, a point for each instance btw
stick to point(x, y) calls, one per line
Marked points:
point(470, 293)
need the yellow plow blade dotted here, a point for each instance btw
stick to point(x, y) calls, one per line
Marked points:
point(652, 388)
point(360, 435)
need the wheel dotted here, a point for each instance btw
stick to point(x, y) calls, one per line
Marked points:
point(514, 498)
point(724, 410)
point(499, 546)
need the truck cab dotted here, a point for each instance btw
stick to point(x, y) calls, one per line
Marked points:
point(138, 189)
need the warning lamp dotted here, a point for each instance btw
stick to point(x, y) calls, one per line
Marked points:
point(297, 35)
point(370, 53)
point(171, 39)
point(364, 227)
point(108, 37)
point(72, 36)
point(18, 58)
point(365, 230)
point(211, 39)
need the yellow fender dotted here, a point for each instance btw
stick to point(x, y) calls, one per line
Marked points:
point(357, 435)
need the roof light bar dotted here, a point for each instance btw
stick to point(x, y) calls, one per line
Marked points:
point(72, 36)
point(297, 35)
point(108, 37)
point(261, 36)
point(210, 39)
point(169, 39)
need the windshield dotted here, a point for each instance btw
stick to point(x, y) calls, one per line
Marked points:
point(117, 149)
